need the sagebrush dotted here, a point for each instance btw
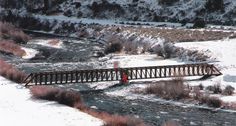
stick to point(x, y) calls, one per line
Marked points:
point(10, 72)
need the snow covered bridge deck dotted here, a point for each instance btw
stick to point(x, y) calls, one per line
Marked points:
point(132, 73)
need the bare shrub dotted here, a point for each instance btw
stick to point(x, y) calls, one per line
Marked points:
point(44, 92)
point(201, 87)
point(115, 120)
point(211, 101)
point(113, 47)
point(214, 5)
point(131, 47)
point(11, 73)
point(229, 105)
point(169, 49)
point(199, 23)
point(229, 90)
point(216, 89)
point(69, 98)
point(167, 2)
point(174, 89)
point(8, 31)
point(11, 47)
point(197, 93)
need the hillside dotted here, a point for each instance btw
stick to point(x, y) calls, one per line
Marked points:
point(212, 11)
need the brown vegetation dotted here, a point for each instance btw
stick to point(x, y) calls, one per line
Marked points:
point(113, 47)
point(174, 89)
point(115, 120)
point(9, 46)
point(11, 73)
point(211, 101)
point(73, 99)
point(69, 98)
point(8, 31)
point(216, 89)
point(179, 35)
point(229, 90)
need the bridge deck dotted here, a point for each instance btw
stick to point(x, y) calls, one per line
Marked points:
point(133, 73)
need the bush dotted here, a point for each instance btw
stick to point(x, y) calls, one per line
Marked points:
point(201, 87)
point(174, 89)
point(215, 89)
point(45, 93)
point(229, 90)
point(8, 31)
point(10, 47)
point(11, 3)
point(214, 5)
point(199, 23)
point(197, 93)
point(11, 73)
point(113, 47)
point(167, 2)
point(211, 101)
point(69, 98)
point(115, 120)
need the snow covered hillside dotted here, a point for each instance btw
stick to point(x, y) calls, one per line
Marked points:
point(17, 108)
point(213, 11)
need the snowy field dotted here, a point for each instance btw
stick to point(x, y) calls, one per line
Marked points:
point(222, 50)
point(18, 108)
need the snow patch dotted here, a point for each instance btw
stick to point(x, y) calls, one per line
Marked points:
point(49, 43)
point(30, 53)
point(17, 108)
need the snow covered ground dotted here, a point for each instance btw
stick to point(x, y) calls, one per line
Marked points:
point(17, 108)
point(30, 53)
point(222, 50)
point(47, 42)
point(141, 60)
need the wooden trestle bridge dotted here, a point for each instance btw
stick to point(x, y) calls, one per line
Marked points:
point(132, 73)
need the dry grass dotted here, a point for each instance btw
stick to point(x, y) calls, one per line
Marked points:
point(9, 46)
point(73, 99)
point(11, 73)
point(230, 105)
point(69, 98)
point(8, 31)
point(179, 35)
point(115, 120)
point(174, 89)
